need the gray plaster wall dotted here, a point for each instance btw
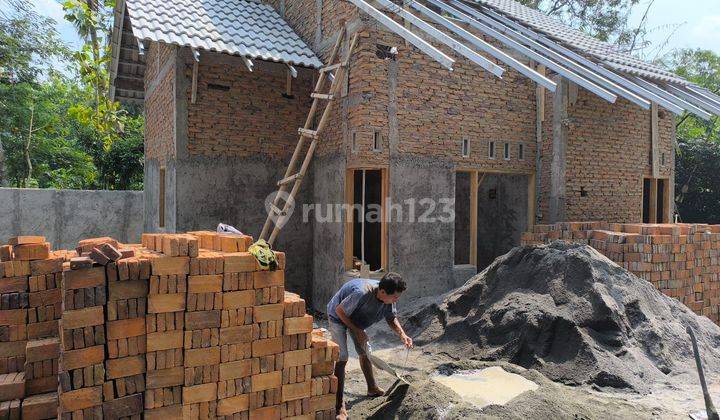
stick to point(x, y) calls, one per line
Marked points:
point(422, 251)
point(503, 219)
point(66, 216)
point(328, 236)
point(234, 191)
point(152, 196)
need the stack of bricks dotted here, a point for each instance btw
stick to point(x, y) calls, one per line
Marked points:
point(82, 337)
point(180, 326)
point(324, 384)
point(680, 260)
point(30, 275)
point(128, 285)
point(165, 327)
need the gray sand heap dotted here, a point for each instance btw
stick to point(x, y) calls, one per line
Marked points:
point(571, 313)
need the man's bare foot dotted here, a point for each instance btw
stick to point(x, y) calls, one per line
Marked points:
point(375, 392)
point(341, 414)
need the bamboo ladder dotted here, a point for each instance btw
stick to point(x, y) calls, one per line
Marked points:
point(306, 132)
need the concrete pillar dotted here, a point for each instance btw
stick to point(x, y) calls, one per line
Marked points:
point(559, 151)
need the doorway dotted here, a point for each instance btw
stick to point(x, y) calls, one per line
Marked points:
point(366, 229)
point(655, 204)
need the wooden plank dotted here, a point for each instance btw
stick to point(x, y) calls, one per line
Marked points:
point(348, 231)
point(474, 186)
point(653, 200)
point(655, 139)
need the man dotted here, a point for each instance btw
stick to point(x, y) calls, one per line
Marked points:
point(359, 304)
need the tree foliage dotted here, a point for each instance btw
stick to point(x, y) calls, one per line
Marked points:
point(58, 130)
point(697, 168)
point(606, 20)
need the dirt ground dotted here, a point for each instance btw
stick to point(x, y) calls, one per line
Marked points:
point(427, 399)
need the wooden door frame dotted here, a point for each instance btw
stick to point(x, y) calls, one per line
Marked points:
point(475, 180)
point(652, 211)
point(350, 198)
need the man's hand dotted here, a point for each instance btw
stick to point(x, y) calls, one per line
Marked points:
point(407, 341)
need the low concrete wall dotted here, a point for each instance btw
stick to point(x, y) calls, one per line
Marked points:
point(65, 216)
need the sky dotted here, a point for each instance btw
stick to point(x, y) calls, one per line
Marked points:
point(695, 23)
point(689, 23)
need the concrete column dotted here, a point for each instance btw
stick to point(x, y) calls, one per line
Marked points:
point(559, 150)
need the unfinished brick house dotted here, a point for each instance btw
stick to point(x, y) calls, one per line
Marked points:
point(497, 109)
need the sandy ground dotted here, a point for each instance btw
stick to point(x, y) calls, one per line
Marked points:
point(427, 399)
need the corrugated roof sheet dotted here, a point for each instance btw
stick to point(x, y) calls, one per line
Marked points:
point(236, 27)
point(579, 41)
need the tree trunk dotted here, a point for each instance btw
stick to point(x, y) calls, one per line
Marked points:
point(26, 149)
point(94, 7)
point(3, 173)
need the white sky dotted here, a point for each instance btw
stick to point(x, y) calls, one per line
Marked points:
point(696, 23)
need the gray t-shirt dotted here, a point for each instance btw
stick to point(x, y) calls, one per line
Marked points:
point(357, 298)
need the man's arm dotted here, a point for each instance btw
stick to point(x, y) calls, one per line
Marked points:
point(395, 326)
point(359, 333)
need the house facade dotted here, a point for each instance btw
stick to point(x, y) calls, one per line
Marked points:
point(459, 162)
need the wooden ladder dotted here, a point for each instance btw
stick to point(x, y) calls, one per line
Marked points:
point(306, 132)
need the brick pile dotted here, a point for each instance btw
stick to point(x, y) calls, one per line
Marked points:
point(30, 306)
point(680, 260)
point(180, 326)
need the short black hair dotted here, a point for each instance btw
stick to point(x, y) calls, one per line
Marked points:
point(392, 283)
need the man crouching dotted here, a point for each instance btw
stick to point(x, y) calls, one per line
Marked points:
point(359, 304)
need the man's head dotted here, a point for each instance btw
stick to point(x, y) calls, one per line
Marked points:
point(391, 287)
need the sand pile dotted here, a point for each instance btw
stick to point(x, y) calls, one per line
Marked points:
point(571, 313)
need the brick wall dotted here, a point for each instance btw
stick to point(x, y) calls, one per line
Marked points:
point(608, 144)
point(608, 148)
point(160, 103)
point(238, 113)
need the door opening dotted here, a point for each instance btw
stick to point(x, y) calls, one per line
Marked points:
point(367, 217)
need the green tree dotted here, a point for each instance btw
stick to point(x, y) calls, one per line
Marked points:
point(28, 42)
point(697, 167)
point(607, 20)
